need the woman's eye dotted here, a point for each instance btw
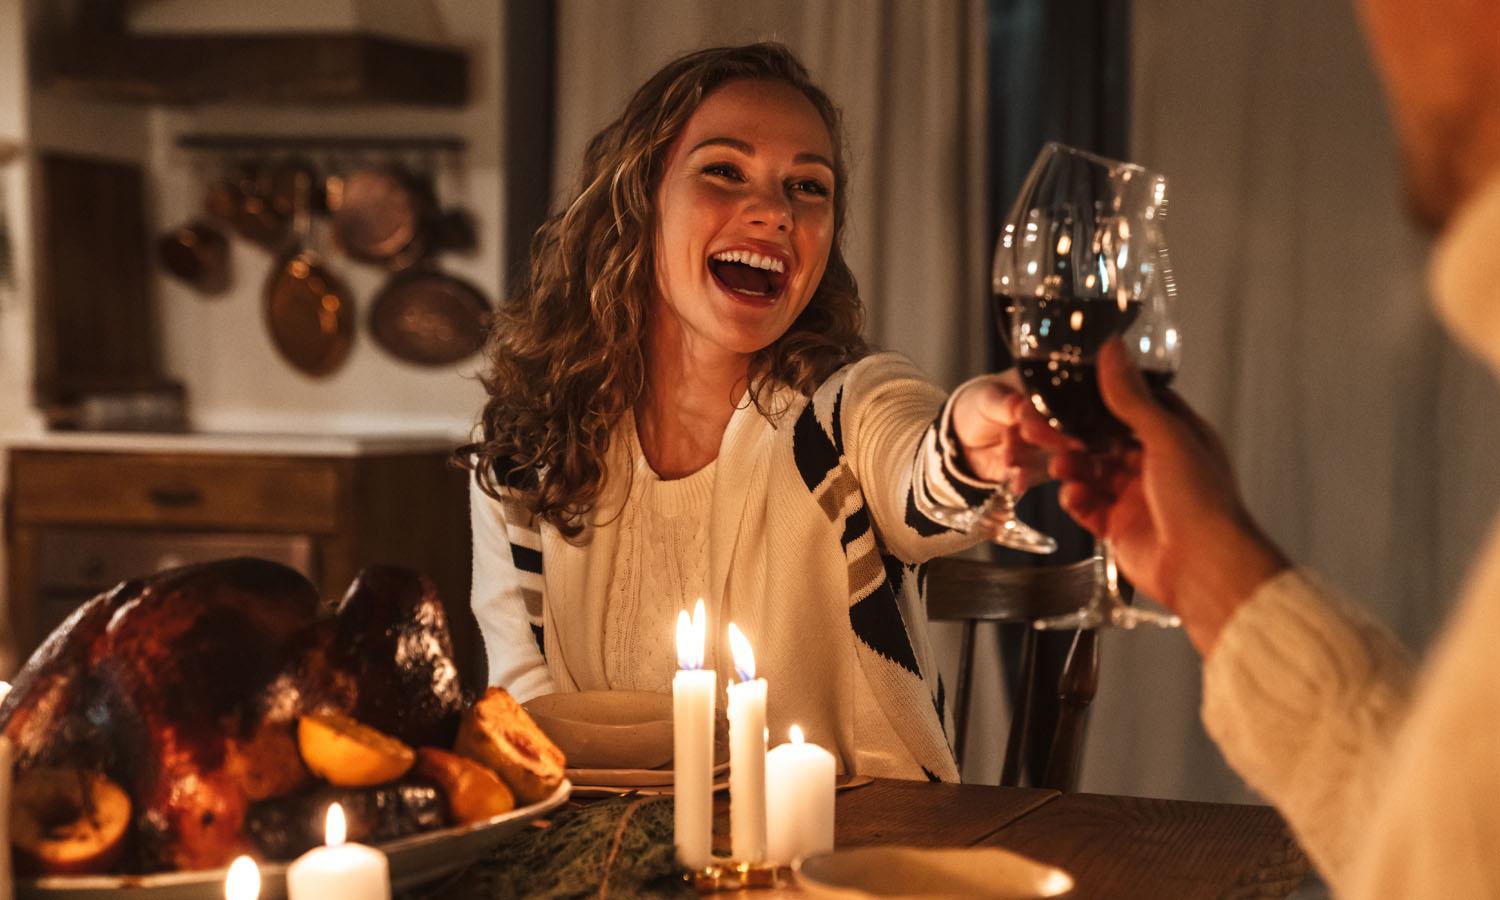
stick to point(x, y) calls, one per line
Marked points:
point(811, 186)
point(722, 170)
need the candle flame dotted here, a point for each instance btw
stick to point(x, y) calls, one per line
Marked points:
point(336, 828)
point(744, 656)
point(243, 880)
point(796, 734)
point(692, 634)
point(4, 690)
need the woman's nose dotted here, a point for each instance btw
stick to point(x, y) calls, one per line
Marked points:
point(771, 210)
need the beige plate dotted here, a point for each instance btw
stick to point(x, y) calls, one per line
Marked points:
point(981, 873)
point(629, 778)
point(414, 860)
point(721, 783)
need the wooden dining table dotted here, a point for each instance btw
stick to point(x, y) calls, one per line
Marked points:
point(1113, 846)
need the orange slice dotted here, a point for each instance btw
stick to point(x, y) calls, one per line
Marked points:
point(344, 752)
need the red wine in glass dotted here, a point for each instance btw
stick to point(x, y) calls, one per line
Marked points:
point(1067, 393)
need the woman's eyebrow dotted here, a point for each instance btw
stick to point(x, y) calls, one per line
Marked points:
point(749, 150)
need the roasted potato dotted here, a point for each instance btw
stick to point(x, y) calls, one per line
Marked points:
point(499, 733)
point(474, 791)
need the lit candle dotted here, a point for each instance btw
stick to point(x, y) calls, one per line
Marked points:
point(243, 880)
point(747, 754)
point(799, 800)
point(345, 871)
point(693, 742)
point(7, 758)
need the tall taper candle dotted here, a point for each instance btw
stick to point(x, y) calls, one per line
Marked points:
point(747, 754)
point(693, 690)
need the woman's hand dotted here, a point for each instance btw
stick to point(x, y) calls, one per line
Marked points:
point(1169, 506)
point(989, 417)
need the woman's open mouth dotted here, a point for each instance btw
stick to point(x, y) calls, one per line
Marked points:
point(752, 277)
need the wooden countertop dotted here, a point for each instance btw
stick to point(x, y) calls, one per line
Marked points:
point(264, 444)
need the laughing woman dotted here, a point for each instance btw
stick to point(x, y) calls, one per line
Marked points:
point(681, 406)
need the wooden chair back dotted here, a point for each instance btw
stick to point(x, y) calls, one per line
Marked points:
point(973, 591)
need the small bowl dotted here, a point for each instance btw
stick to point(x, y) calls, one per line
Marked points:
point(970, 873)
point(607, 729)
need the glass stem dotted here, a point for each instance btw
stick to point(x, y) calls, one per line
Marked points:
point(1111, 572)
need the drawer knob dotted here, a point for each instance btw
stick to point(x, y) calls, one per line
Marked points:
point(175, 497)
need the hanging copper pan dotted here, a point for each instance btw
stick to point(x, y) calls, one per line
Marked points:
point(379, 215)
point(309, 309)
point(428, 317)
point(197, 253)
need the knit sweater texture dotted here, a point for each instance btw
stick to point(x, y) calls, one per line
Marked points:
point(1390, 779)
point(815, 550)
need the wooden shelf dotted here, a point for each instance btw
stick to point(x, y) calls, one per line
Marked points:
point(305, 69)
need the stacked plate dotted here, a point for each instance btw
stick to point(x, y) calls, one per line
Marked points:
point(617, 742)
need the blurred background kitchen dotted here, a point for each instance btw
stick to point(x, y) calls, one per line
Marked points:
point(168, 395)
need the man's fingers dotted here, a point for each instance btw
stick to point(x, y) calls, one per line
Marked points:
point(1088, 507)
point(1125, 391)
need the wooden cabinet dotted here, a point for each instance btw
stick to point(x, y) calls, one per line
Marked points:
point(81, 518)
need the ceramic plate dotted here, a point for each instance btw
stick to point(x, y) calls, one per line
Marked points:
point(977, 873)
point(630, 778)
point(414, 860)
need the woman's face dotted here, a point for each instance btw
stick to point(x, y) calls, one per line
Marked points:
point(744, 218)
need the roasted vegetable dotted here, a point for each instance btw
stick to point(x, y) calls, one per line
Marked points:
point(287, 827)
point(499, 733)
point(474, 791)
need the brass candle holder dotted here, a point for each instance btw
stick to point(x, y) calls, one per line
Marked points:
point(728, 875)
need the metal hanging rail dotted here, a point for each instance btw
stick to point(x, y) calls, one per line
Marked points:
point(239, 143)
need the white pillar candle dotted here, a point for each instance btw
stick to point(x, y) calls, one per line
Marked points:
point(799, 800)
point(7, 759)
point(747, 754)
point(345, 871)
point(243, 880)
point(693, 743)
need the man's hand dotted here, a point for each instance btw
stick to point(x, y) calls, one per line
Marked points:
point(1169, 506)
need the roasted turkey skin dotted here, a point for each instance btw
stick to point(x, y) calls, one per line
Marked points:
point(184, 687)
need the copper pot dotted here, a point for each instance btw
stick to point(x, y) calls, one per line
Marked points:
point(198, 254)
point(243, 200)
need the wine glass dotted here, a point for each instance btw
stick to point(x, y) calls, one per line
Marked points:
point(1088, 262)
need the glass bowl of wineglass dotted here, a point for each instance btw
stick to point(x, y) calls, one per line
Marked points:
point(1089, 263)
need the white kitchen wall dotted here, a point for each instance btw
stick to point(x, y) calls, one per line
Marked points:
point(15, 206)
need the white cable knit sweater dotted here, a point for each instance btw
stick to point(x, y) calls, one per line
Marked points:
point(814, 550)
point(1392, 784)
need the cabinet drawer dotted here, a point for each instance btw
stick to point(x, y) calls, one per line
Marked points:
point(182, 490)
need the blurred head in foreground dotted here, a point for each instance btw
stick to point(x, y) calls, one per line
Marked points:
point(1440, 62)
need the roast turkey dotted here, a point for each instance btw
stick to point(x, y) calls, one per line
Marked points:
point(185, 688)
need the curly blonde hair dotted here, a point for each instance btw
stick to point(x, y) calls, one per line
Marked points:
point(566, 355)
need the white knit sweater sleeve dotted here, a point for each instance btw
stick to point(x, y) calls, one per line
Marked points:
point(502, 592)
point(1304, 694)
point(893, 422)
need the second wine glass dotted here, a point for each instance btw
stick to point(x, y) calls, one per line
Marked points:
point(1089, 263)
